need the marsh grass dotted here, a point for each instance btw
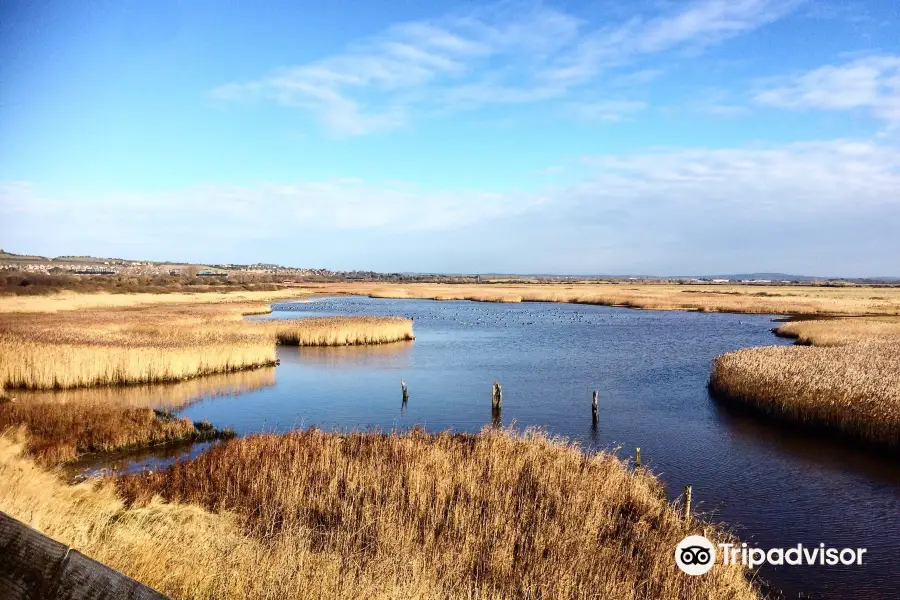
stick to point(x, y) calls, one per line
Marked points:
point(68, 300)
point(493, 515)
point(847, 383)
point(770, 299)
point(59, 433)
point(163, 344)
point(37, 365)
point(341, 331)
point(170, 396)
point(839, 332)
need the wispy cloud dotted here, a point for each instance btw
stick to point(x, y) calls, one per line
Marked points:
point(871, 83)
point(785, 181)
point(505, 54)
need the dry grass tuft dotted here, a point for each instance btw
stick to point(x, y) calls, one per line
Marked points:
point(341, 331)
point(493, 515)
point(850, 386)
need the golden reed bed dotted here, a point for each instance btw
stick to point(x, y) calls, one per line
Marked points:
point(415, 516)
point(61, 425)
point(59, 433)
point(67, 300)
point(772, 299)
point(164, 343)
point(340, 331)
point(847, 383)
point(169, 396)
point(765, 299)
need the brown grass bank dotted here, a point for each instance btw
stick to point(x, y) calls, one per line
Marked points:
point(847, 383)
point(443, 516)
point(67, 300)
point(768, 299)
point(172, 396)
point(342, 331)
point(59, 433)
point(413, 516)
point(163, 343)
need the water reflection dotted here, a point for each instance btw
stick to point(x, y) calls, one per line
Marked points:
point(161, 396)
point(813, 449)
point(397, 354)
point(132, 461)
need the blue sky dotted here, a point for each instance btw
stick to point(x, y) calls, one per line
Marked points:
point(654, 137)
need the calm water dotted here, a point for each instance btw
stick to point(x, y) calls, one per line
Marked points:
point(776, 488)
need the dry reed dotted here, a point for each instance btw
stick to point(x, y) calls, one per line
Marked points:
point(852, 390)
point(341, 331)
point(28, 364)
point(494, 515)
point(170, 396)
point(838, 332)
point(58, 433)
point(158, 344)
point(769, 299)
point(66, 301)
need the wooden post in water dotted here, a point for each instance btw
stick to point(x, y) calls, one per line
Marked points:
point(594, 408)
point(497, 396)
point(687, 505)
point(404, 390)
point(637, 459)
point(496, 418)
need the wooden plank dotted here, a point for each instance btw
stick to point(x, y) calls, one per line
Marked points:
point(34, 566)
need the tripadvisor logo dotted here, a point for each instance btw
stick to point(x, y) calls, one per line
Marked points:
point(696, 555)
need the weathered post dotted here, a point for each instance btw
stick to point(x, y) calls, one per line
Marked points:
point(594, 408)
point(404, 390)
point(497, 396)
point(637, 458)
point(687, 505)
point(496, 418)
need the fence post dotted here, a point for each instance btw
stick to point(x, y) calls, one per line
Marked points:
point(687, 505)
point(594, 407)
point(497, 396)
point(637, 460)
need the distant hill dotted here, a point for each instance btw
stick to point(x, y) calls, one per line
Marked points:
point(4, 255)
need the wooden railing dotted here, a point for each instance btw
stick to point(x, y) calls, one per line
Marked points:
point(34, 567)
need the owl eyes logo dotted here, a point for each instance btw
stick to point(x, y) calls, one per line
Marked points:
point(695, 555)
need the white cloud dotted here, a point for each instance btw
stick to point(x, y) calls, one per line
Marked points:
point(506, 53)
point(667, 207)
point(799, 176)
point(262, 211)
point(697, 24)
point(871, 83)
